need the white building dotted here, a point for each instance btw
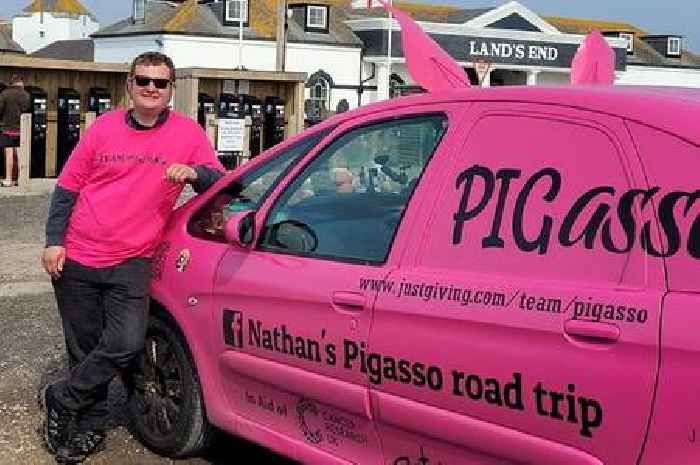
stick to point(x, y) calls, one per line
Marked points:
point(47, 21)
point(344, 50)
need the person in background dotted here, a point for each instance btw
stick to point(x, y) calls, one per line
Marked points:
point(14, 101)
point(111, 203)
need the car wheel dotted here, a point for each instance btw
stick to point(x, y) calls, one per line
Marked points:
point(165, 398)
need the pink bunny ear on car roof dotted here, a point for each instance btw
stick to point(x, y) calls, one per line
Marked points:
point(428, 64)
point(594, 62)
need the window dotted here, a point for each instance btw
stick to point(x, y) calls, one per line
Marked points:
point(139, 10)
point(348, 202)
point(537, 226)
point(248, 192)
point(396, 83)
point(629, 37)
point(237, 10)
point(42, 34)
point(316, 17)
point(674, 46)
point(321, 92)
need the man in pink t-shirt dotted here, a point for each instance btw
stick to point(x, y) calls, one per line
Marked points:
point(111, 203)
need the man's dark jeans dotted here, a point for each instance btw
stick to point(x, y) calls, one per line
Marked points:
point(104, 313)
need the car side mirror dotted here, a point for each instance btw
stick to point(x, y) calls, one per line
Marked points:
point(239, 228)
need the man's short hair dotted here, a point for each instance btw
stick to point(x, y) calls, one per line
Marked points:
point(16, 78)
point(153, 59)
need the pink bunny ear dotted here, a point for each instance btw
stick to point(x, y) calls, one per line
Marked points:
point(594, 62)
point(428, 64)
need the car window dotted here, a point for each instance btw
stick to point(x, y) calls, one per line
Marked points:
point(348, 202)
point(248, 191)
point(540, 207)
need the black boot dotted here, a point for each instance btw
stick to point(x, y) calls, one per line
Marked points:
point(81, 444)
point(59, 421)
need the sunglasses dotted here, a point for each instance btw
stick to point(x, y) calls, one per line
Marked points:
point(144, 81)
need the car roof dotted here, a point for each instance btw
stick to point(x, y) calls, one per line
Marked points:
point(672, 109)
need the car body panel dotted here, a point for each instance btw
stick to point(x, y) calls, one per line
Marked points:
point(654, 146)
point(526, 323)
point(526, 357)
point(308, 299)
point(674, 432)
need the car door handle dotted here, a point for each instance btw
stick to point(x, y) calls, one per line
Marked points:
point(604, 332)
point(349, 300)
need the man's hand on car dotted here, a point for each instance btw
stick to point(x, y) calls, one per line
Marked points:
point(53, 259)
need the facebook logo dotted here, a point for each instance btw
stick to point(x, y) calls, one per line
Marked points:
point(233, 328)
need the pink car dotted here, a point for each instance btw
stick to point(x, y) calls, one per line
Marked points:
point(500, 276)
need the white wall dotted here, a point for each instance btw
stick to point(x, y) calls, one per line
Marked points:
point(186, 52)
point(26, 29)
point(124, 49)
point(83, 27)
point(341, 63)
point(212, 52)
point(381, 80)
point(650, 76)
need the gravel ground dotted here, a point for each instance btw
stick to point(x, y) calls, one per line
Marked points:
point(33, 353)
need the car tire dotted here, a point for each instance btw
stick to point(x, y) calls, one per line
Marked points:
point(166, 408)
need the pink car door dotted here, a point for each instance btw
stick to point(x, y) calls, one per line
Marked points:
point(522, 325)
point(674, 431)
point(296, 306)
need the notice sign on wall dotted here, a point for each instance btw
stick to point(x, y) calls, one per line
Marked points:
point(230, 135)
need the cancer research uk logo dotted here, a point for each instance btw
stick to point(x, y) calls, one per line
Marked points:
point(308, 417)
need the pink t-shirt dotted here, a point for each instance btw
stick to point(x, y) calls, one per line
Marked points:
point(123, 199)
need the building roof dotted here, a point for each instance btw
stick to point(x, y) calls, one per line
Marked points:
point(585, 26)
point(78, 50)
point(57, 6)
point(192, 18)
point(188, 18)
point(421, 12)
point(339, 33)
point(644, 54)
point(66, 7)
point(7, 45)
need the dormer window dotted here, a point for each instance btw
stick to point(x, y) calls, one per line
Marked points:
point(317, 18)
point(139, 11)
point(674, 46)
point(237, 11)
point(629, 37)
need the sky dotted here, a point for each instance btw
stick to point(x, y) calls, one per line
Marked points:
point(680, 17)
